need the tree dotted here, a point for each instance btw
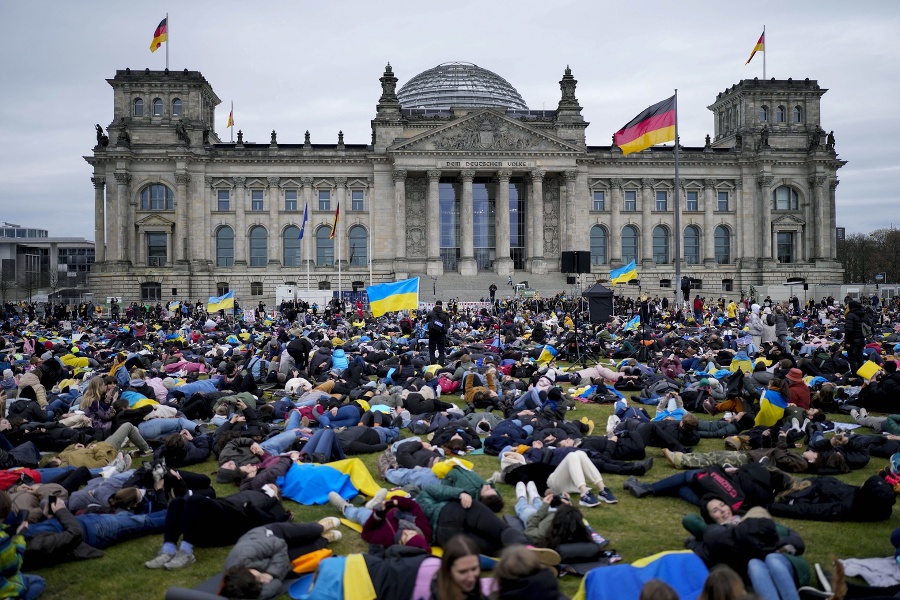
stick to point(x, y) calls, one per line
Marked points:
point(28, 283)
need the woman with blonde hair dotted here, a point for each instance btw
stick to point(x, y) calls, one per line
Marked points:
point(97, 400)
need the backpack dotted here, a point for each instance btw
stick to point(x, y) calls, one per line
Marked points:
point(659, 386)
point(770, 319)
point(866, 329)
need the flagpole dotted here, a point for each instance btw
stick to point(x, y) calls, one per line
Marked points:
point(677, 212)
point(765, 51)
point(168, 39)
point(338, 236)
point(231, 118)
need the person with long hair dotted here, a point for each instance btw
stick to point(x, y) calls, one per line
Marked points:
point(657, 589)
point(722, 583)
point(460, 572)
point(97, 400)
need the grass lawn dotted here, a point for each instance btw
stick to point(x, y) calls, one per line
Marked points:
point(635, 528)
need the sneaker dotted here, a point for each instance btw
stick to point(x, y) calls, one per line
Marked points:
point(855, 414)
point(606, 495)
point(863, 413)
point(589, 423)
point(377, 499)
point(333, 535)
point(670, 456)
point(824, 578)
point(795, 424)
point(589, 500)
point(329, 523)
point(336, 501)
point(521, 492)
point(160, 561)
point(497, 477)
point(547, 556)
point(710, 406)
point(532, 492)
point(599, 540)
point(611, 423)
point(304, 421)
point(180, 560)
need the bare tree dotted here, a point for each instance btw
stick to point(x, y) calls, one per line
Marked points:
point(28, 283)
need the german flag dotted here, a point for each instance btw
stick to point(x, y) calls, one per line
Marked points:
point(759, 47)
point(159, 36)
point(653, 126)
point(337, 217)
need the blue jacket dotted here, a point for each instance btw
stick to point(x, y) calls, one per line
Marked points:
point(339, 360)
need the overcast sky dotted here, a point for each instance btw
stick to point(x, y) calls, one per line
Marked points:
point(293, 66)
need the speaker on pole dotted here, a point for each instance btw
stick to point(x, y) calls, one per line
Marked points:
point(571, 280)
point(583, 261)
point(568, 262)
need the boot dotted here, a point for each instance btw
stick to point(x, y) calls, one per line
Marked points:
point(638, 489)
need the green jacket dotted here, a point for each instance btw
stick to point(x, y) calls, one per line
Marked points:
point(433, 499)
point(538, 525)
point(468, 481)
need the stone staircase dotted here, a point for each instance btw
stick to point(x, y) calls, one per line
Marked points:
point(473, 289)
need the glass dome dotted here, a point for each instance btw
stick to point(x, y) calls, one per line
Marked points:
point(459, 84)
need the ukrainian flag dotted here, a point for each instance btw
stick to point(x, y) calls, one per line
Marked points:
point(547, 354)
point(623, 274)
point(388, 297)
point(217, 303)
point(633, 323)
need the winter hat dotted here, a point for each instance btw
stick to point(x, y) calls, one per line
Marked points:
point(767, 311)
point(554, 394)
point(889, 366)
point(755, 308)
point(8, 374)
point(168, 383)
point(418, 540)
point(704, 382)
point(795, 374)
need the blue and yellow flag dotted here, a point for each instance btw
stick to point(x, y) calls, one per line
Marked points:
point(633, 323)
point(623, 274)
point(387, 297)
point(217, 303)
point(547, 354)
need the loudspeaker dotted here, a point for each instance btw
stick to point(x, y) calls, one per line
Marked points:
point(805, 287)
point(571, 280)
point(569, 264)
point(600, 309)
point(583, 261)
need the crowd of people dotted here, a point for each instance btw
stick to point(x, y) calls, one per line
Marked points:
point(101, 417)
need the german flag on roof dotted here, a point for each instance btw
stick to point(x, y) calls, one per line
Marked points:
point(160, 35)
point(653, 126)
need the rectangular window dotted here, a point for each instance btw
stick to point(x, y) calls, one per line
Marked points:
point(222, 289)
point(151, 292)
point(662, 198)
point(727, 285)
point(356, 200)
point(665, 283)
point(324, 199)
point(693, 201)
point(290, 200)
point(256, 288)
point(723, 202)
point(599, 201)
point(630, 200)
point(256, 200)
point(156, 249)
point(224, 200)
point(785, 243)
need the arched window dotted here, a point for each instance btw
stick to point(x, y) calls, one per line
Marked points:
point(763, 113)
point(324, 247)
point(798, 114)
point(225, 247)
point(660, 245)
point(785, 198)
point(359, 246)
point(157, 197)
point(157, 107)
point(259, 242)
point(290, 244)
point(723, 245)
point(137, 107)
point(692, 245)
point(176, 107)
point(629, 243)
point(780, 114)
point(598, 245)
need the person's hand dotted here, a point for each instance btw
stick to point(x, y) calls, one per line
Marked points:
point(334, 411)
point(241, 404)
point(79, 446)
point(256, 449)
point(22, 527)
point(465, 500)
point(186, 435)
point(548, 496)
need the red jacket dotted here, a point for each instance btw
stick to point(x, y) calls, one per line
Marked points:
point(383, 531)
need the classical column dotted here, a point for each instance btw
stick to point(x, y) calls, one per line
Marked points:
point(309, 233)
point(709, 226)
point(399, 176)
point(202, 245)
point(765, 208)
point(820, 217)
point(340, 236)
point(536, 218)
point(830, 233)
point(647, 206)
point(99, 219)
point(616, 206)
point(122, 216)
point(504, 264)
point(570, 236)
point(433, 222)
point(273, 196)
point(467, 264)
point(240, 229)
point(182, 221)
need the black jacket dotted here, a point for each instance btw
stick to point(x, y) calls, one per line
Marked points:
point(438, 323)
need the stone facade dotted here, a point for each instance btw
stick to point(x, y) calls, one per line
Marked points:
point(757, 201)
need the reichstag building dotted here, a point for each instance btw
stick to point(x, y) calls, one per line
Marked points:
point(460, 176)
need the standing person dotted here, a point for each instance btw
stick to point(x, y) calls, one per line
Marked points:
point(755, 326)
point(438, 325)
point(493, 290)
point(698, 308)
point(854, 339)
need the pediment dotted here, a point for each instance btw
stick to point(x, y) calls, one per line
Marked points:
point(485, 131)
point(154, 221)
point(788, 220)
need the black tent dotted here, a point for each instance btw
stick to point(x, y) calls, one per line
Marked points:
point(600, 303)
